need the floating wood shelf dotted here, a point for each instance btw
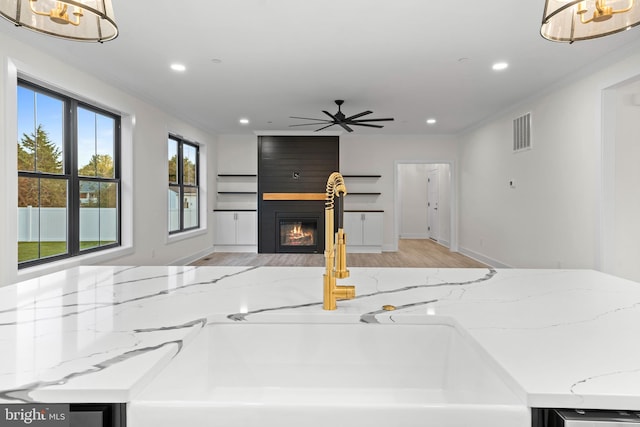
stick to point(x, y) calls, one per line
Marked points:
point(362, 176)
point(293, 196)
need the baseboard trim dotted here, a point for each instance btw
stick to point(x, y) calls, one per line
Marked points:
point(444, 243)
point(193, 257)
point(414, 236)
point(236, 248)
point(482, 258)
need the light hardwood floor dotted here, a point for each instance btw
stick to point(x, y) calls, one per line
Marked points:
point(411, 253)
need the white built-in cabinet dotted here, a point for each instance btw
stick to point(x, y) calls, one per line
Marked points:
point(238, 228)
point(236, 217)
point(363, 230)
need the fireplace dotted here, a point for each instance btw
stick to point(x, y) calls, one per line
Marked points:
point(292, 179)
point(298, 233)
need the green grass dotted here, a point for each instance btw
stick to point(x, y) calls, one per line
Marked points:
point(28, 251)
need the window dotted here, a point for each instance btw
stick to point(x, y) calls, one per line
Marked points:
point(68, 176)
point(183, 203)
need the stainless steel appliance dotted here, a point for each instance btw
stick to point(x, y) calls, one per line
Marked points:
point(97, 415)
point(592, 418)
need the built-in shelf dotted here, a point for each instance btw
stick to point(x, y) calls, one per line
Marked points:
point(237, 192)
point(362, 182)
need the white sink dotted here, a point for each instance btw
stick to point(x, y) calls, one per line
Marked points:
point(279, 374)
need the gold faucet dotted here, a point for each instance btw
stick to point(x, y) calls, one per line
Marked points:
point(335, 246)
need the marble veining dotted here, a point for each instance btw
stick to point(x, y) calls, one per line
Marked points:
point(489, 275)
point(565, 338)
point(22, 393)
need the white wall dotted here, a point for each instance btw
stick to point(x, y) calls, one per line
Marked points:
point(552, 218)
point(626, 234)
point(144, 161)
point(445, 205)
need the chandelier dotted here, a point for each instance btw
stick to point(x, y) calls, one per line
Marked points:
point(571, 20)
point(81, 20)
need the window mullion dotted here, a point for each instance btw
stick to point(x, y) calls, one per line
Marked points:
point(180, 177)
point(71, 143)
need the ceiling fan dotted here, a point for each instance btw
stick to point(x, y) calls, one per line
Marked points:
point(341, 120)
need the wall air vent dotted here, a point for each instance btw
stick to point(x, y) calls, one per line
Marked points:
point(522, 133)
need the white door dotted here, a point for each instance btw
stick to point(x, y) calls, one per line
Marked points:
point(432, 204)
point(413, 201)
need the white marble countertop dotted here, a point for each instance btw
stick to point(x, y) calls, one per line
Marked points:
point(100, 334)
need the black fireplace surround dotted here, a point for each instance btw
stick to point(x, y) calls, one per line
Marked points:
point(297, 165)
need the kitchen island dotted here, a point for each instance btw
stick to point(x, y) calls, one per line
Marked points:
point(557, 338)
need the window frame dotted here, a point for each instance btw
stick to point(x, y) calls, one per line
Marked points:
point(180, 143)
point(71, 175)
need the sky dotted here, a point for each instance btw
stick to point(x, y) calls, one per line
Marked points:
point(95, 131)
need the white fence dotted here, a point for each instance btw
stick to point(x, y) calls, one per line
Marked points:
point(190, 211)
point(50, 224)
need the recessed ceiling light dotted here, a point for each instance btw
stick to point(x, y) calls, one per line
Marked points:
point(244, 121)
point(431, 121)
point(178, 67)
point(500, 66)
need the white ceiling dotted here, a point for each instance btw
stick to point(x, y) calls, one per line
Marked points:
point(407, 59)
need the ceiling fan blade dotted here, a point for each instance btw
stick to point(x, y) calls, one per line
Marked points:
point(328, 126)
point(365, 124)
point(355, 116)
point(373, 120)
point(311, 124)
point(345, 127)
point(335, 120)
point(309, 118)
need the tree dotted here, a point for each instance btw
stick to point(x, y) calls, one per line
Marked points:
point(188, 171)
point(173, 172)
point(100, 165)
point(37, 153)
point(94, 193)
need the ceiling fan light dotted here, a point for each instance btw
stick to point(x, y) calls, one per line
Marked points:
point(569, 21)
point(79, 20)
